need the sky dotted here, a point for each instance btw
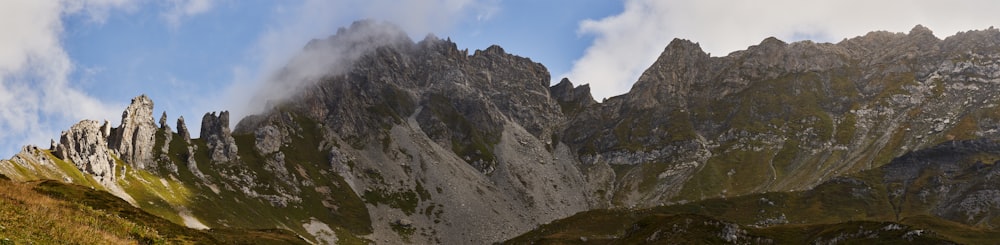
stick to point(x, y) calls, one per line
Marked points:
point(62, 61)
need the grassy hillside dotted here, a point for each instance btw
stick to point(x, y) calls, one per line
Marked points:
point(49, 212)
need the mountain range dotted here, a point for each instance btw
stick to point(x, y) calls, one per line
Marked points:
point(886, 137)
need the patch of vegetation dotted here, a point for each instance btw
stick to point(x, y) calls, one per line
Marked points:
point(846, 129)
point(422, 193)
point(404, 231)
point(405, 200)
point(730, 174)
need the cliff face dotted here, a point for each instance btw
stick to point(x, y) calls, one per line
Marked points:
point(390, 140)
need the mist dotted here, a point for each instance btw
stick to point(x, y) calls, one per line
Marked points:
point(327, 57)
point(283, 64)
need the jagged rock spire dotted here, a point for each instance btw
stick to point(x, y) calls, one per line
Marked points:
point(163, 121)
point(182, 130)
point(134, 138)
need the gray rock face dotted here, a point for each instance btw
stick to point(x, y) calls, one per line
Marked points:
point(134, 138)
point(85, 145)
point(218, 138)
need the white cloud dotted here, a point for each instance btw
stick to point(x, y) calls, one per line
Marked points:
point(36, 99)
point(180, 9)
point(296, 24)
point(627, 43)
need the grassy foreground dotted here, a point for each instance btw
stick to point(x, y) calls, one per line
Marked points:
point(49, 212)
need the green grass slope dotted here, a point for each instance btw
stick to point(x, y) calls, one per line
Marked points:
point(50, 212)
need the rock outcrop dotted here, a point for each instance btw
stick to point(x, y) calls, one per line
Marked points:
point(163, 122)
point(268, 139)
point(218, 138)
point(86, 146)
point(134, 138)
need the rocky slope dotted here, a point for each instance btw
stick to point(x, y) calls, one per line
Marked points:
point(388, 140)
point(933, 196)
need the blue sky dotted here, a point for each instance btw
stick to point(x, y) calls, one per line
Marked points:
point(67, 60)
point(138, 51)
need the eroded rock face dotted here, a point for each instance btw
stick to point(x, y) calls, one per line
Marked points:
point(134, 138)
point(218, 138)
point(85, 145)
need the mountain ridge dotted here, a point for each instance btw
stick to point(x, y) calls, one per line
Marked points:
point(387, 140)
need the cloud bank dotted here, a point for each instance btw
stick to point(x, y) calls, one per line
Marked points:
point(36, 97)
point(626, 44)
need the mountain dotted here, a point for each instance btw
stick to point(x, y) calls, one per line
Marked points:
point(374, 138)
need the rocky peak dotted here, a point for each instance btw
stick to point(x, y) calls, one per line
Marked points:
point(980, 42)
point(361, 35)
point(218, 137)
point(182, 130)
point(106, 129)
point(571, 99)
point(163, 121)
point(681, 63)
point(433, 44)
point(85, 146)
point(679, 48)
point(922, 39)
point(491, 50)
point(134, 138)
point(919, 30)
